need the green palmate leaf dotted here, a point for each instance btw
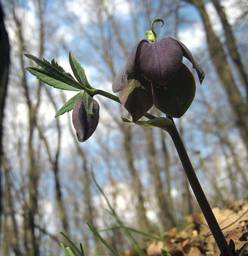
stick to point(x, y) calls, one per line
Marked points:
point(78, 70)
point(46, 77)
point(55, 71)
point(68, 106)
point(88, 103)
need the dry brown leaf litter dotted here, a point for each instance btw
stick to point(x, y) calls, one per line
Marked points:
point(196, 240)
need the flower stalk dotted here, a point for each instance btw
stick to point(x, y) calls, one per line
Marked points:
point(198, 191)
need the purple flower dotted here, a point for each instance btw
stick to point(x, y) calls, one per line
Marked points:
point(163, 73)
point(85, 124)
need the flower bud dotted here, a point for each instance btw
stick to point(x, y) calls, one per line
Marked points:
point(85, 124)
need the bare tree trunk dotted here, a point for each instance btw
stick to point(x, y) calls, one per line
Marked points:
point(167, 170)
point(4, 73)
point(236, 163)
point(165, 215)
point(212, 178)
point(54, 161)
point(136, 182)
point(33, 172)
point(186, 193)
point(224, 72)
point(224, 140)
point(9, 209)
point(231, 44)
point(226, 144)
point(231, 175)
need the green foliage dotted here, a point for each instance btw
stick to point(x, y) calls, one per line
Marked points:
point(88, 103)
point(53, 72)
point(67, 250)
point(165, 253)
point(54, 75)
point(78, 70)
point(70, 249)
point(68, 106)
point(103, 241)
point(45, 77)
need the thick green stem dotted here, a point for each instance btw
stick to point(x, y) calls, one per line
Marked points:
point(198, 191)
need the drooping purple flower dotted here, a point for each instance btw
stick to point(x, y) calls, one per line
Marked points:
point(85, 124)
point(163, 73)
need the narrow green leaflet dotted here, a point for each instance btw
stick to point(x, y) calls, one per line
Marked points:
point(48, 79)
point(67, 251)
point(52, 67)
point(55, 71)
point(68, 243)
point(82, 250)
point(68, 106)
point(56, 65)
point(103, 241)
point(78, 70)
point(88, 103)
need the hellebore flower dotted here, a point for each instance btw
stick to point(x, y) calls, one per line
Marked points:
point(163, 73)
point(85, 124)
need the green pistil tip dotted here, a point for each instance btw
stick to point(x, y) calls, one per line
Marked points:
point(151, 35)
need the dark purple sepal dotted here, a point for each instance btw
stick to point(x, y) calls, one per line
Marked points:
point(187, 54)
point(85, 124)
point(136, 98)
point(177, 96)
point(129, 71)
point(159, 61)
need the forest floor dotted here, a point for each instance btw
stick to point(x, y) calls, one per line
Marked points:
point(196, 240)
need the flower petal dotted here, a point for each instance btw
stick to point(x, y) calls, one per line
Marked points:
point(159, 61)
point(189, 56)
point(136, 98)
point(175, 99)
